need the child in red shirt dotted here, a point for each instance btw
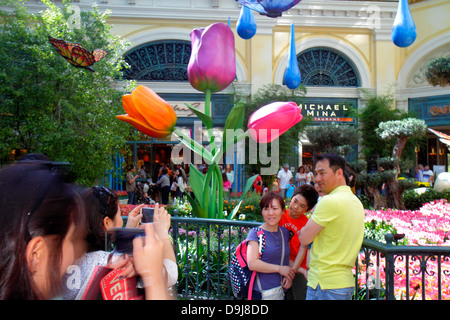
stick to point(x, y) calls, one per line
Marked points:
point(294, 219)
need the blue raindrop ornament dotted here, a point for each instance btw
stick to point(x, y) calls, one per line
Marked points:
point(292, 76)
point(246, 25)
point(403, 30)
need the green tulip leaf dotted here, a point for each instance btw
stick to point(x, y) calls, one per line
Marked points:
point(206, 120)
point(234, 121)
point(234, 211)
point(196, 181)
point(196, 207)
point(247, 187)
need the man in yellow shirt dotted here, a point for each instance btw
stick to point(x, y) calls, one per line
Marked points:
point(336, 229)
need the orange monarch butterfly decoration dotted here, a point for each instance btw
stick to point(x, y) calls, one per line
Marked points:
point(76, 54)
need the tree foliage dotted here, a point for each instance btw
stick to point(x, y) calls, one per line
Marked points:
point(333, 138)
point(438, 72)
point(400, 131)
point(48, 105)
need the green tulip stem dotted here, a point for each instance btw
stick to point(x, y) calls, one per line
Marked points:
point(220, 192)
point(212, 142)
point(208, 102)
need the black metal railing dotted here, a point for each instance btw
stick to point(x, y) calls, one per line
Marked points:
point(204, 246)
point(402, 272)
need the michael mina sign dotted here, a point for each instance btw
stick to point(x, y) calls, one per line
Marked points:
point(329, 110)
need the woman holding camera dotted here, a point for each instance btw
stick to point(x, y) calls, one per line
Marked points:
point(103, 212)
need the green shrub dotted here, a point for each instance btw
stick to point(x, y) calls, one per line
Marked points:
point(413, 200)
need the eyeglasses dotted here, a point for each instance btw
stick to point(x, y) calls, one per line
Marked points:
point(103, 195)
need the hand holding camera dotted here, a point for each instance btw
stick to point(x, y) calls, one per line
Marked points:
point(162, 222)
point(134, 217)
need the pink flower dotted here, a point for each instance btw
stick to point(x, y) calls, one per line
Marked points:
point(212, 65)
point(271, 121)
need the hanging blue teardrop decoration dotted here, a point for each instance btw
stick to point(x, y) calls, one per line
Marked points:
point(246, 25)
point(292, 77)
point(403, 30)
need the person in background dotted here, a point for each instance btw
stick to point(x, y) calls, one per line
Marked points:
point(131, 184)
point(274, 276)
point(41, 230)
point(336, 229)
point(309, 175)
point(164, 185)
point(230, 174)
point(257, 184)
point(283, 177)
point(428, 175)
point(226, 186)
point(180, 184)
point(265, 189)
point(294, 219)
point(290, 188)
point(142, 173)
point(419, 173)
point(300, 176)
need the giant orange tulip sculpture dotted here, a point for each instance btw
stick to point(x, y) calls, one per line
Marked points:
point(148, 112)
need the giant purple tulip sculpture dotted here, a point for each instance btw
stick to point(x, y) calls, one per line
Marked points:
point(212, 65)
point(270, 8)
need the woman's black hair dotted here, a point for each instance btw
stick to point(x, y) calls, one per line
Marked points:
point(266, 200)
point(34, 201)
point(99, 202)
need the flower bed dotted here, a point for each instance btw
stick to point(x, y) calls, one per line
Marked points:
point(430, 225)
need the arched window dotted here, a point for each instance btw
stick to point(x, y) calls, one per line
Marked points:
point(164, 60)
point(326, 67)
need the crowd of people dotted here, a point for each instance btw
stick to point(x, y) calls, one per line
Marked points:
point(168, 182)
point(424, 174)
point(49, 228)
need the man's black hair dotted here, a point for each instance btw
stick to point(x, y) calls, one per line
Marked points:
point(336, 161)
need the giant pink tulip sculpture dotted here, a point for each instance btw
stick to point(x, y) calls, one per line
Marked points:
point(269, 122)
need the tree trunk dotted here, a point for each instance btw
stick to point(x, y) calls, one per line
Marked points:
point(393, 188)
point(394, 195)
point(379, 201)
